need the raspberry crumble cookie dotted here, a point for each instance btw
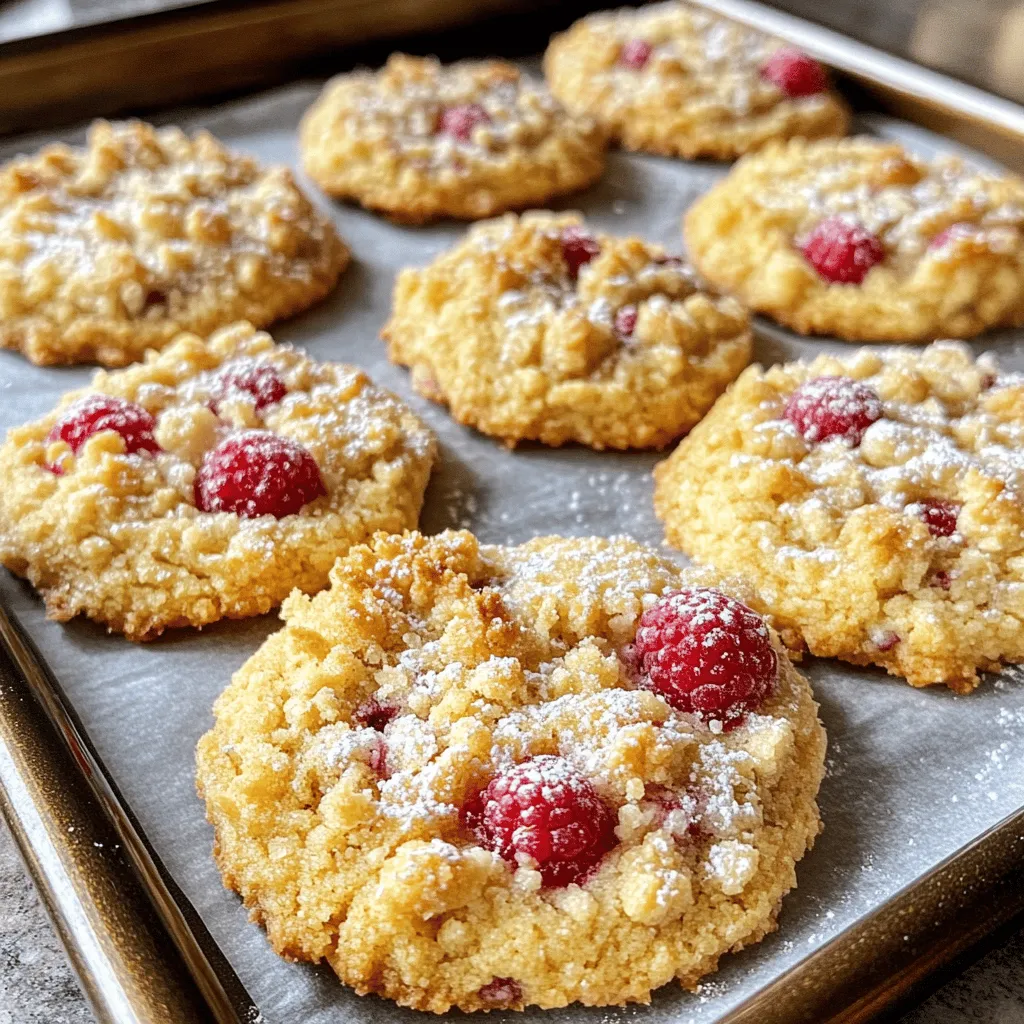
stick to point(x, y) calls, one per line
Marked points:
point(680, 81)
point(418, 141)
point(878, 500)
point(205, 483)
point(458, 745)
point(861, 240)
point(112, 249)
point(535, 328)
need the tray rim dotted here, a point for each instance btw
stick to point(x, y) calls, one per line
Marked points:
point(830, 985)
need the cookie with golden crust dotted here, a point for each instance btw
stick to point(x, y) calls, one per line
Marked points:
point(878, 500)
point(864, 241)
point(116, 247)
point(368, 765)
point(678, 80)
point(205, 483)
point(534, 328)
point(418, 141)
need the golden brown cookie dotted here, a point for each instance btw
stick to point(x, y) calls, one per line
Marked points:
point(418, 141)
point(207, 482)
point(114, 248)
point(460, 745)
point(876, 499)
point(862, 240)
point(533, 328)
point(678, 80)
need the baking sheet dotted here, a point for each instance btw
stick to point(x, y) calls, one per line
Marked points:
point(913, 775)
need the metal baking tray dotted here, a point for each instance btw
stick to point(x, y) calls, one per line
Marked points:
point(924, 799)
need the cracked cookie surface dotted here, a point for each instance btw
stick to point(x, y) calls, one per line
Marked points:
point(346, 752)
point(943, 241)
point(534, 328)
point(417, 140)
point(883, 517)
point(114, 248)
point(101, 501)
point(681, 81)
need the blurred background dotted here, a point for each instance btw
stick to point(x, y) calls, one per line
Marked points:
point(978, 41)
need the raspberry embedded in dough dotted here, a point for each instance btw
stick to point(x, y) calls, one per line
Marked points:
point(502, 992)
point(578, 249)
point(939, 515)
point(90, 415)
point(375, 713)
point(257, 473)
point(635, 54)
point(542, 813)
point(459, 122)
point(795, 73)
point(827, 407)
point(842, 251)
point(260, 380)
point(625, 320)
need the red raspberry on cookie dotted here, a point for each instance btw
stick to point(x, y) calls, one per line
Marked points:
point(635, 54)
point(94, 413)
point(459, 122)
point(543, 813)
point(842, 251)
point(706, 653)
point(257, 473)
point(795, 73)
point(827, 407)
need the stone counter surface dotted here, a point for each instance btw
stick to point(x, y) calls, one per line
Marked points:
point(38, 987)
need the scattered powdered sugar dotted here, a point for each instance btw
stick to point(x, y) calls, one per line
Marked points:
point(439, 117)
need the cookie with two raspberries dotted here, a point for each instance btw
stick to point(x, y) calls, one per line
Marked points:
point(571, 739)
point(206, 482)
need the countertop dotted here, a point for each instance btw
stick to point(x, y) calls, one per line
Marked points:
point(37, 986)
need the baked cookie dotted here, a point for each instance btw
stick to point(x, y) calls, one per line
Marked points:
point(862, 240)
point(876, 499)
point(418, 141)
point(205, 483)
point(681, 81)
point(534, 328)
point(112, 249)
point(458, 745)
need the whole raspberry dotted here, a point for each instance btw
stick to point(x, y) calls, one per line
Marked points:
point(261, 380)
point(842, 251)
point(826, 407)
point(459, 122)
point(794, 72)
point(635, 54)
point(578, 248)
point(625, 320)
point(375, 713)
point(94, 413)
point(940, 515)
point(706, 652)
point(542, 812)
point(257, 473)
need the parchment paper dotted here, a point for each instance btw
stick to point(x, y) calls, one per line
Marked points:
point(913, 775)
